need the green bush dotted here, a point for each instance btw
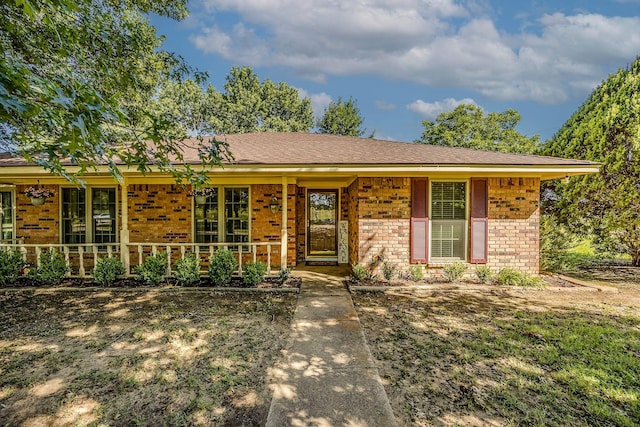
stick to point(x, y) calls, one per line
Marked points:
point(510, 277)
point(283, 275)
point(53, 268)
point(154, 269)
point(389, 270)
point(454, 272)
point(416, 273)
point(10, 264)
point(187, 270)
point(359, 272)
point(107, 271)
point(221, 267)
point(253, 273)
point(484, 274)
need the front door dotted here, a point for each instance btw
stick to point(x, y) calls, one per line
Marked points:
point(322, 219)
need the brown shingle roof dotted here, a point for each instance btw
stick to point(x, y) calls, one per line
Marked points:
point(284, 148)
point(310, 148)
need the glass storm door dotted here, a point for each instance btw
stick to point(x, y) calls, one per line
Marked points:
point(323, 215)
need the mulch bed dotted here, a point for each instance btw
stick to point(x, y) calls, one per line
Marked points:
point(236, 282)
point(551, 281)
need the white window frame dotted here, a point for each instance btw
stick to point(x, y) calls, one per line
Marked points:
point(88, 220)
point(432, 259)
point(12, 191)
point(222, 232)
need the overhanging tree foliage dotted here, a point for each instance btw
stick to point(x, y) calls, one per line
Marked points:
point(76, 80)
point(606, 128)
point(341, 118)
point(467, 126)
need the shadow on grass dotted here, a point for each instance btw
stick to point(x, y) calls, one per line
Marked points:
point(496, 359)
point(138, 357)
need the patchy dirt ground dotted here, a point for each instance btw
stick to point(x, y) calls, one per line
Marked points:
point(147, 357)
point(567, 357)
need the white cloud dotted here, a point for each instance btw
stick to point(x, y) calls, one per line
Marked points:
point(437, 43)
point(431, 110)
point(319, 101)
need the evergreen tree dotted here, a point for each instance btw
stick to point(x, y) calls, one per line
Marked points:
point(606, 129)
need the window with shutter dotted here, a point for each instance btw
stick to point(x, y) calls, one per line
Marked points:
point(448, 221)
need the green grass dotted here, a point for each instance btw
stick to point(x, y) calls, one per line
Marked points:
point(448, 357)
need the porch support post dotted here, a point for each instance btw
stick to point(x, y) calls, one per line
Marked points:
point(283, 233)
point(124, 226)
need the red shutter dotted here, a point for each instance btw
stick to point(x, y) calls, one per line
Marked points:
point(479, 221)
point(419, 220)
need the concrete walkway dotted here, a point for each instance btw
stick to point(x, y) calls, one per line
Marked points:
point(326, 376)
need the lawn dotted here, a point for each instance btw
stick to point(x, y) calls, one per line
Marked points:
point(508, 357)
point(147, 357)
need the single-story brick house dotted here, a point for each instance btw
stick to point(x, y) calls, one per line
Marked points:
point(293, 197)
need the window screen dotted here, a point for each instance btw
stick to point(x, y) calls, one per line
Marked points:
point(448, 220)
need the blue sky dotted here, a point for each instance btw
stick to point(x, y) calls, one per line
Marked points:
point(404, 61)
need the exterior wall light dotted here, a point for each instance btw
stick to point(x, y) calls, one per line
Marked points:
point(274, 205)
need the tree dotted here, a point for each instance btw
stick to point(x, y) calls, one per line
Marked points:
point(76, 81)
point(187, 106)
point(467, 126)
point(341, 118)
point(606, 129)
point(247, 105)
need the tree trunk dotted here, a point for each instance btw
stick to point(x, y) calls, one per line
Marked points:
point(635, 258)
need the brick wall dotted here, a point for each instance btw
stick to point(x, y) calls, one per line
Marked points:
point(159, 213)
point(266, 226)
point(514, 216)
point(382, 220)
point(38, 224)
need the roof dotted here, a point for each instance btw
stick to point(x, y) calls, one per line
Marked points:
point(273, 149)
point(283, 148)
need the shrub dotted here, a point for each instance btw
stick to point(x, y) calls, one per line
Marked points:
point(254, 272)
point(511, 277)
point(283, 275)
point(389, 270)
point(52, 268)
point(10, 264)
point(187, 270)
point(484, 274)
point(454, 272)
point(221, 267)
point(416, 273)
point(359, 272)
point(153, 270)
point(107, 271)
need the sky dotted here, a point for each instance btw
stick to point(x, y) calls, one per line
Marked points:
point(404, 61)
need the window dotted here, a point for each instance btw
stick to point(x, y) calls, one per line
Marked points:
point(206, 220)
point(102, 215)
point(448, 220)
point(6, 215)
point(224, 217)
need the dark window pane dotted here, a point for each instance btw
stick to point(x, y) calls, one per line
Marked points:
point(74, 229)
